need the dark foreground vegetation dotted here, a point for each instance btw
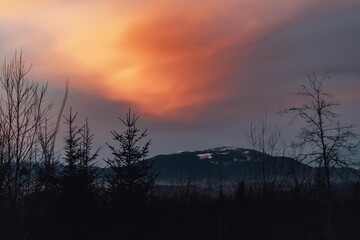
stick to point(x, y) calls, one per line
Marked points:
point(246, 215)
point(47, 195)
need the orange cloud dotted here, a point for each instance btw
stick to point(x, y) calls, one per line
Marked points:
point(165, 62)
point(170, 59)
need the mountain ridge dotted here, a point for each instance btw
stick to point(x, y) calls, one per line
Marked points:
point(222, 162)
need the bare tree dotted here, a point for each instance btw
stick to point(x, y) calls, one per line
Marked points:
point(300, 177)
point(46, 171)
point(22, 113)
point(265, 139)
point(326, 141)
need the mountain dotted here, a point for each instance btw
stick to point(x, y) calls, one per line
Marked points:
point(223, 163)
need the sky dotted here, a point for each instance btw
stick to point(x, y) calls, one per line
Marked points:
point(196, 72)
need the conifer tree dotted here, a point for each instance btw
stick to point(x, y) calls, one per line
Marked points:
point(87, 165)
point(78, 176)
point(72, 149)
point(131, 178)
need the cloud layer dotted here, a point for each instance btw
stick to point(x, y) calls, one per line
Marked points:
point(168, 59)
point(186, 64)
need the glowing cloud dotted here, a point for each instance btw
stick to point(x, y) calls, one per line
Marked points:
point(169, 59)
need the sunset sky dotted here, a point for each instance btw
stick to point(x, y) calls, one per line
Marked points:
point(195, 71)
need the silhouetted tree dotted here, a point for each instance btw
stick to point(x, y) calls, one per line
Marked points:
point(265, 139)
point(47, 169)
point(79, 173)
point(22, 113)
point(131, 178)
point(87, 162)
point(326, 141)
point(70, 173)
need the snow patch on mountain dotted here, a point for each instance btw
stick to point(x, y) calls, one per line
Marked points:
point(225, 148)
point(205, 156)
